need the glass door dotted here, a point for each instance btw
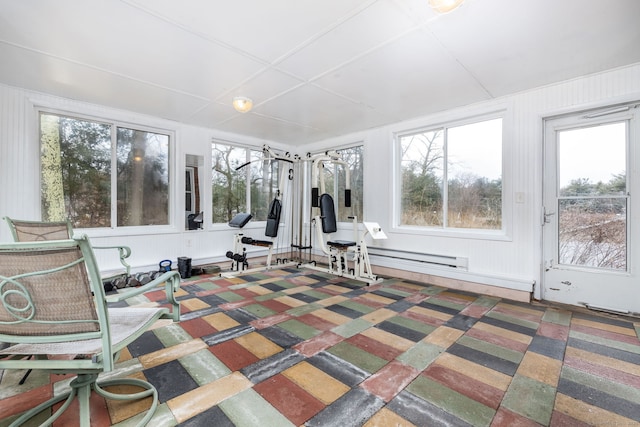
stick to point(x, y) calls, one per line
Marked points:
point(590, 229)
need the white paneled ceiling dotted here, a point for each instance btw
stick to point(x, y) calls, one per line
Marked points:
point(314, 68)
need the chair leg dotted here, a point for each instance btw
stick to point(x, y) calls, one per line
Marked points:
point(81, 387)
point(148, 391)
point(24, 378)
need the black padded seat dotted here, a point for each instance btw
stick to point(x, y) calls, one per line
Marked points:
point(254, 242)
point(341, 244)
point(240, 220)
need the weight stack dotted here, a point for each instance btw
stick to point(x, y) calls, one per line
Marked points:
point(184, 267)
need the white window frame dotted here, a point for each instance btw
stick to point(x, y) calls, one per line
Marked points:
point(248, 149)
point(361, 144)
point(114, 229)
point(502, 234)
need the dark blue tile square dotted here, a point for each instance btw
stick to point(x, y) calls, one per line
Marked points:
point(170, 379)
point(548, 347)
point(148, 342)
point(211, 417)
point(401, 331)
point(338, 368)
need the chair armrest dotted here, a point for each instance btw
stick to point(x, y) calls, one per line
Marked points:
point(172, 285)
point(124, 252)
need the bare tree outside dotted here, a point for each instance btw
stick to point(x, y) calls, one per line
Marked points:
point(75, 170)
point(592, 197)
point(76, 173)
point(234, 170)
point(452, 177)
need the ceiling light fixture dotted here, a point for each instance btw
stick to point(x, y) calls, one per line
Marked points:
point(242, 104)
point(444, 6)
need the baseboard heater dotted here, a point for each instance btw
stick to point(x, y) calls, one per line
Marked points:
point(456, 262)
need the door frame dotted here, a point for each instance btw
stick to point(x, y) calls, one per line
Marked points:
point(600, 115)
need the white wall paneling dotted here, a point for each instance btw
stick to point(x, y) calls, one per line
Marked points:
point(513, 256)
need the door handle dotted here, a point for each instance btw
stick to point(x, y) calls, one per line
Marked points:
point(546, 216)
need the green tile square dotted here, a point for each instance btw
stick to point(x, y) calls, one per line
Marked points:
point(259, 310)
point(204, 367)
point(230, 296)
point(207, 286)
point(351, 328)
point(562, 318)
point(432, 290)
point(272, 295)
point(364, 309)
point(530, 398)
point(285, 284)
point(611, 387)
point(300, 329)
point(445, 303)
point(412, 324)
point(493, 349)
point(469, 410)
point(395, 291)
point(248, 408)
point(172, 334)
point(513, 319)
point(316, 294)
point(420, 355)
point(357, 356)
point(485, 301)
point(304, 309)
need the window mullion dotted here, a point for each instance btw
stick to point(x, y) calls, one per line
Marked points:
point(445, 180)
point(114, 177)
point(248, 181)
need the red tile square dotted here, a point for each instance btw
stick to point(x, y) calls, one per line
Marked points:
point(475, 310)
point(245, 293)
point(424, 319)
point(291, 400)
point(276, 306)
point(268, 321)
point(99, 413)
point(233, 355)
point(390, 380)
point(24, 401)
point(197, 327)
point(316, 322)
point(368, 302)
point(473, 389)
point(318, 343)
point(158, 295)
point(558, 419)
point(552, 330)
point(505, 418)
point(374, 347)
point(497, 340)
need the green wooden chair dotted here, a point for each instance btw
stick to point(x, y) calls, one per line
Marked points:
point(33, 231)
point(52, 303)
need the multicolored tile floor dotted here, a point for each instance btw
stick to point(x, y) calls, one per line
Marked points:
point(295, 347)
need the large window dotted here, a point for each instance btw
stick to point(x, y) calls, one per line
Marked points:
point(242, 180)
point(451, 176)
point(353, 157)
point(99, 174)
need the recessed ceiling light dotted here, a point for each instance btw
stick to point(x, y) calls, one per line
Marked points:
point(242, 104)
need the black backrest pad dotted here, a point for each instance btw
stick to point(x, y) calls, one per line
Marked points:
point(240, 220)
point(273, 218)
point(328, 214)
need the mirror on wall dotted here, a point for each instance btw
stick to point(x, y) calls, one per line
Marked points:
point(192, 190)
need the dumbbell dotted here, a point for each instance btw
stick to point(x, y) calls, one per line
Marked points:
point(143, 278)
point(132, 282)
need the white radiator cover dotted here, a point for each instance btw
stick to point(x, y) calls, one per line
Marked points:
point(452, 267)
point(432, 259)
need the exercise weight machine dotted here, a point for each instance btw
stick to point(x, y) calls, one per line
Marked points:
point(238, 255)
point(347, 258)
